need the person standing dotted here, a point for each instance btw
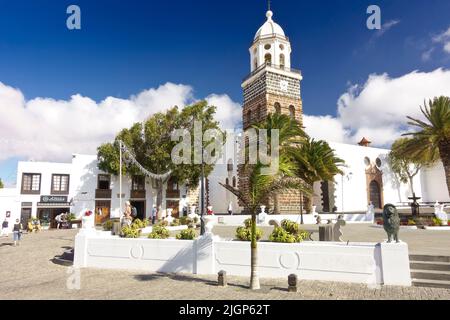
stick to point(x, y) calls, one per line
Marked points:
point(17, 230)
point(230, 209)
point(4, 228)
point(58, 220)
point(153, 214)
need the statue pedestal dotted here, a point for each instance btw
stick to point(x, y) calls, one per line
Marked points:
point(169, 217)
point(209, 224)
point(263, 215)
point(88, 222)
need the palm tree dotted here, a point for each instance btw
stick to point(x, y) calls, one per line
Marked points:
point(260, 187)
point(290, 133)
point(433, 136)
point(315, 161)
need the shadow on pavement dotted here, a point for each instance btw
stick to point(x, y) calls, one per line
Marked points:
point(186, 278)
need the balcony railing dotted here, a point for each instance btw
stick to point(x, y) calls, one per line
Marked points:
point(103, 193)
point(172, 194)
point(274, 66)
point(137, 194)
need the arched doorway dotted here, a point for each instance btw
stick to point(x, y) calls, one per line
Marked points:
point(375, 194)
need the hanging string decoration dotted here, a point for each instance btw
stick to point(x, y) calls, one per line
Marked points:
point(130, 159)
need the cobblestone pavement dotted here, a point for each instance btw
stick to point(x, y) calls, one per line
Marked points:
point(27, 272)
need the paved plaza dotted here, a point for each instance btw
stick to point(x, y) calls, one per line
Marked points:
point(27, 272)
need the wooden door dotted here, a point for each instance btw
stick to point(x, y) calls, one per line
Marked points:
point(375, 194)
point(102, 211)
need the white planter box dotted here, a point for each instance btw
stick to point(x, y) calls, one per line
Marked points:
point(366, 263)
point(444, 228)
point(148, 230)
point(401, 227)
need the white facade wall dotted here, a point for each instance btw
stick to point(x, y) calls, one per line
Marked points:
point(351, 189)
point(219, 197)
point(46, 169)
point(9, 202)
point(434, 186)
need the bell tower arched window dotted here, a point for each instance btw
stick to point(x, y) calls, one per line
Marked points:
point(277, 108)
point(282, 61)
point(268, 58)
point(230, 165)
point(292, 112)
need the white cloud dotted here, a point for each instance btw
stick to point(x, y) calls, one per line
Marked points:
point(378, 109)
point(48, 129)
point(325, 128)
point(444, 39)
point(229, 113)
point(386, 27)
point(447, 47)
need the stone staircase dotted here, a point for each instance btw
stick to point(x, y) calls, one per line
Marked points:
point(430, 271)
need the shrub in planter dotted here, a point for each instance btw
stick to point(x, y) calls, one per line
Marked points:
point(196, 220)
point(159, 232)
point(184, 221)
point(139, 224)
point(130, 232)
point(245, 233)
point(437, 222)
point(163, 223)
point(188, 234)
point(72, 217)
point(289, 232)
point(175, 223)
point(108, 225)
point(281, 235)
point(290, 226)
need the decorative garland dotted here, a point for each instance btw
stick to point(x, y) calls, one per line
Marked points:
point(131, 159)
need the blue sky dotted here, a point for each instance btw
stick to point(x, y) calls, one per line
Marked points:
point(125, 47)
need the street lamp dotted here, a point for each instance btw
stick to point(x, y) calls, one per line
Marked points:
point(202, 196)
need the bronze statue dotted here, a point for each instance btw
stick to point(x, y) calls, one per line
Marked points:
point(391, 221)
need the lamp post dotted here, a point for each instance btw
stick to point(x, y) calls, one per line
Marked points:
point(202, 196)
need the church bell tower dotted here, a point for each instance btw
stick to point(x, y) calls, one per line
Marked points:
point(271, 87)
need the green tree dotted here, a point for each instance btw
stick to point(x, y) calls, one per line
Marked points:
point(433, 135)
point(290, 133)
point(405, 166)
point(315, 161)
point(152, 145)
point(1, 184)
point(261, 186)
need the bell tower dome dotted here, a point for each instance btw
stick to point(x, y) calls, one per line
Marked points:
point(270, 46)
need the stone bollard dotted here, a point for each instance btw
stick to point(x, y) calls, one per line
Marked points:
point(326, 233)
point(116, 227)
point(292, 282)
point(222, 278)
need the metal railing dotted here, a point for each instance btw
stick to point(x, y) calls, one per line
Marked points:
point(274, 66)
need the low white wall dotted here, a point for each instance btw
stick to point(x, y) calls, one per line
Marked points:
point(108, 252)
point(367, 263)
point(238, 220)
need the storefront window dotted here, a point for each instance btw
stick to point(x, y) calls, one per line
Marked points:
point(31, 183)
point(60, 184)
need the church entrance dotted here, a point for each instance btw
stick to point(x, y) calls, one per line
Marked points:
point(375, 194)
point(140, 209)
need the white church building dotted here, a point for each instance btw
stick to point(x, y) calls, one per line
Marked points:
point(45, 189)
